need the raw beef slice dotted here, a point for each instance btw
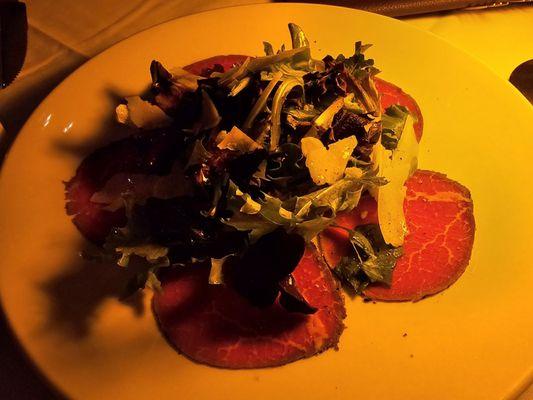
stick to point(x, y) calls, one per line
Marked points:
point(440, 221)
point(213, 325)
point(151, 153)
point(203, 67)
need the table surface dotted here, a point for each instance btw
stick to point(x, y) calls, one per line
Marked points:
point(63, 34)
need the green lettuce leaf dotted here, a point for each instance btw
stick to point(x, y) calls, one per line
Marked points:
point(155, 257)
point(299, 40)
point(372, 261)
point(392, 124)
point(152, 253)
point(306, 215)
point(259, 217)
point(269, 50)
point(297, 117)
point(349, 271)
point(361, 71)
point(343, 195)
point(278, 101)
point(261, 103)
point(145, 279)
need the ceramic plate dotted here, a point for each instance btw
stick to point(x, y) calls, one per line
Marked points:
point(473, 341)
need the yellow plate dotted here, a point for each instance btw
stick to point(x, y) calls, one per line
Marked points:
point(471, 342)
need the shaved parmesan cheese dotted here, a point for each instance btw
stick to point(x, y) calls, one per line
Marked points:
point(396, 167)
point(185, 79)
point(327, 166)
point(237, 140)
point(140, 113)
point(216, 273)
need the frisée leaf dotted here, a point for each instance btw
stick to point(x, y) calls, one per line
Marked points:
point(306, 215)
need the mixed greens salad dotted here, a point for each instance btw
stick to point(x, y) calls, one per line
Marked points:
point(267, 154)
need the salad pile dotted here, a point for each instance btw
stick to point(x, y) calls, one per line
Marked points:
point(262, 158)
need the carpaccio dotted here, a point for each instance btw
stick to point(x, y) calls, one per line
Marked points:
point(440, 222)
point(212, 324)
point(216, 326)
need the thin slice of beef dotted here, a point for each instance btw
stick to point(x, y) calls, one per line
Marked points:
point(152, 152)
point(440, 221)
point(214, 325)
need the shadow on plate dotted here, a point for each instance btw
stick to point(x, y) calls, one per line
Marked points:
point(108, 131)
point(76, 294)
point(23, 97)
